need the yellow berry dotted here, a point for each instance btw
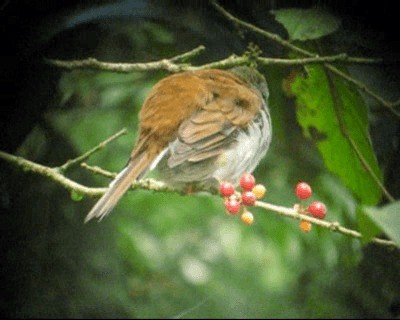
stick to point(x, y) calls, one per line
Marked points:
point(259, 190)
point(305, 226)
point(247, 217)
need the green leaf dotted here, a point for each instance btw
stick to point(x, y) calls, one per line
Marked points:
point(388, 218)
point(307, 24)
point(367, 226)
point(76, 196)
point(333, 114)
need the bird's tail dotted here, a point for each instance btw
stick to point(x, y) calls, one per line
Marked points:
point(117, 188)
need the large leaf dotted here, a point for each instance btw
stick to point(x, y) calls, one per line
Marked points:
point(307, 24)
point(366, 225)
point(334, 115)
point(387, 218)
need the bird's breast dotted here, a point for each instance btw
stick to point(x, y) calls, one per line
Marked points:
point(251, 146)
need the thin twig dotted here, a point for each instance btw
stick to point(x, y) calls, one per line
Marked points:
point(234, 60)
point(99, 171)
point(147, 184)
point(94, 64)
point(369, 169)
point(188, 55)
point(171, 64)
point(364, 88)
point(360, 85)
point(231, 61)
point(86, 155)
point(52, 174)
point(342, 57)
point(333, 226)
point(274, 37)
point(151, 184)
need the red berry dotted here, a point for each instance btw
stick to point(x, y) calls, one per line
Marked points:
point(247, 217)
point(247, 181)
point(248, 198)
point(226, 189)
point(317, 209)
point(303, 190)
point(232, 206)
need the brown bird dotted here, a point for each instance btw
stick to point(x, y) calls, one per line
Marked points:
point(198, 128)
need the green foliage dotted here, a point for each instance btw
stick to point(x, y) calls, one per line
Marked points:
point(333, 114)
point(367, 227)
point(307, 24)
point(76, 196)
point(184, 255)
point(387, 218)
point(162, 255)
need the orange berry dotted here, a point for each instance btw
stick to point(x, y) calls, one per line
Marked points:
point(305, 226)
point(259, 190)
point(247, 218)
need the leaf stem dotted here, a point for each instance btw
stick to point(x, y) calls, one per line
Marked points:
point(286, 44)
point(337, 105)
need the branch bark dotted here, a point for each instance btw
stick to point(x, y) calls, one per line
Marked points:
point(333, 226)
point(150, 184)
point(173, 65)
point(177, 64)
point(286, 44)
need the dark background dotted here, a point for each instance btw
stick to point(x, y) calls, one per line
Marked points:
point(31, 30)
point(46, 248)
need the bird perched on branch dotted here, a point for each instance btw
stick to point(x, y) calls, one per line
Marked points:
point(198, 128)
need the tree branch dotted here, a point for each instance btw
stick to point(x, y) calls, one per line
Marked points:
point(94, 64)
point(56, 175)
point(274, 37)
point(271, 36)
point(151, 184)
point(176, 64)
point(148, 184)
point(367, 90)
point(164, 64)
point(342, 57)
point(86, 155)
point(333, 226)
point(52, 174)
point(172, 64)
point(188, 55)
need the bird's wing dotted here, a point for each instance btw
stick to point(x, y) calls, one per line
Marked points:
point(214, 127)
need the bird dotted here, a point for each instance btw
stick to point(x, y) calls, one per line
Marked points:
point(198, 128)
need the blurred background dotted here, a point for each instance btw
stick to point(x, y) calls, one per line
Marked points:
point(162, 255)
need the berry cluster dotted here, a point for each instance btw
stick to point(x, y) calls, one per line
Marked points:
point(317, 208)
point(250, 192)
